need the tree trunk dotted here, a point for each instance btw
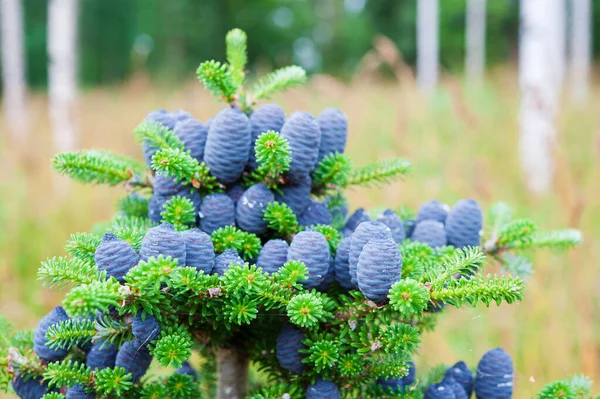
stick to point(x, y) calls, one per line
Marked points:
point(580, 48)
point(427, 44)
point(62, 69)
point(475, 39)
point(13, 67)
point(540, 70)
point(232, 369)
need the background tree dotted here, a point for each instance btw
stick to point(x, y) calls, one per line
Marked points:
point(13, 67)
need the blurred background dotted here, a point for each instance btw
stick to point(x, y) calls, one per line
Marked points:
point(492, 100)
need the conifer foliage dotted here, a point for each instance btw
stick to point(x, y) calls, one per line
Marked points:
point(235, 238)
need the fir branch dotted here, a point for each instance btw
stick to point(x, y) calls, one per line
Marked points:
point(409, 297)
point(305, 310)
point(228, 237)
point(157, 136)
point(558, 239)
point(131, 229)
point(181, 386)
point(322, 354)
point(134, 205)
point(273, 154)
point(333, 170)
point(464, 262)
point(151, 273)
point(379, 172)
point(54, 395)
point(250, 247)
point(478, 289)
point(171, 350)
point(517, 234)
point(180, 165)
point(240, 309)
point(71, 332)
point(67, 372)
point(83, 246)
point(281, 218)
point(218, 79)
point(244, 278)
point(180, 212)
point(84, 300)
point(61, 271)
point(237, 55)
point(517, 265)
point(96, 167)
point(279, 80)
point(401, 339)
point(113, 381)
point(499, 215)
point(109, 330)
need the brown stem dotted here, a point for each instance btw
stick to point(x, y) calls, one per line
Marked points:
point(232, 369)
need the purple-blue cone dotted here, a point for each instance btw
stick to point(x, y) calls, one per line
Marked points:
point(199, 250)
point(208, 123)
point(78, 392)
point(463, 375)
point(334, 132)
point(409, 227)
point(323, 389)
point(161, 116)
point(464, 223)
point(433, 210)
point(227, 258)
point(342, 268)
point(311, 248)
point(399, 384)
point(135, 358)
point(289, 342)
point(192, 134)
point(115, 256)
point(304, 136)
point(316, 213)
point(264, 118)
point(393, 221)
point(44, 352)
point(216, 211)
point(459, 391)
point(329, 277)
point(145, 327)
point(495, 375)
point(250, 208)
point(33, 388)
point(379, 267)
point(235, 192)
point(166, 185)
point(296, 195)
point(163, 240)
point(273, 255)
point(359, 216)
point(101, 356)
point(228, 145)
point(430, 232)
point(439, 391)
point(156, 206)
point(363, 233)
point(187, 369)
point(180, 115)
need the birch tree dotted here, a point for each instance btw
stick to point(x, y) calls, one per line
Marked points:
point(580, 44)
point(475, 39)
point(13, 67)
point(62, 69)
point(427, 44)
point(541, 68)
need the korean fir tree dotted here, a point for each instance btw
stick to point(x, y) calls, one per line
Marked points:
point(234, 242)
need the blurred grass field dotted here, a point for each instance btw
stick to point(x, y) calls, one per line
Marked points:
point(462, 142)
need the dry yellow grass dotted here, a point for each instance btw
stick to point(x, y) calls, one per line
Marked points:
point(463, 143)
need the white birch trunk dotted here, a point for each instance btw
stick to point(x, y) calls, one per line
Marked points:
point(62, 69)
point(13, 67)
point(427, 44)
point(580, 44)
point(475, 39)
point(541, 67)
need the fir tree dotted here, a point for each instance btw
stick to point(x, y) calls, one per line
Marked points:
point(173, 290)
